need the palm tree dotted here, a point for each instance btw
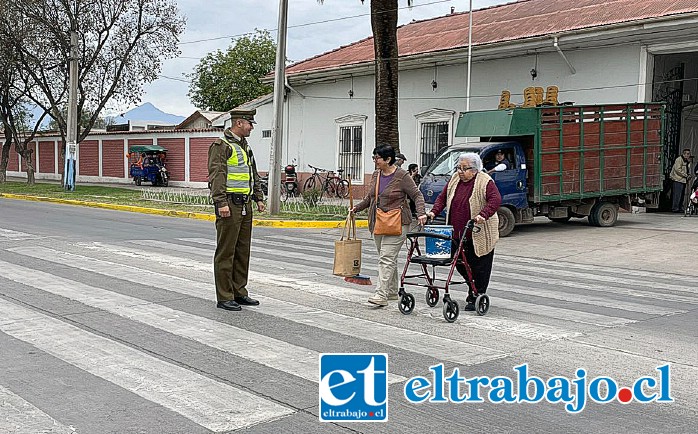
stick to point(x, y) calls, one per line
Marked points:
point(384, 27)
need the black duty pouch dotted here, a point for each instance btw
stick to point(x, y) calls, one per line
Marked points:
point(239, 199)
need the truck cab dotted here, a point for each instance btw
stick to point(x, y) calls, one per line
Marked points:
point(511, 182)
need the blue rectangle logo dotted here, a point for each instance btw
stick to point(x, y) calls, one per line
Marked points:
point(353, 387)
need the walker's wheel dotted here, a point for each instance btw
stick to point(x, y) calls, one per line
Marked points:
point(482, 304)
point(406, 304)
point(432, 296)
point(451, 310)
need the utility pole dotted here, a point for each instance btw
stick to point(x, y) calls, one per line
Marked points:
point(277, 126)
point(72, 127)
point(470, 55)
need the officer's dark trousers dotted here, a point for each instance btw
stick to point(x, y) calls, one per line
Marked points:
point(481, 267)
point(232, 259)
point(677, 191)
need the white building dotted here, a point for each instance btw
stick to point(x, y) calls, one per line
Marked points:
point(595, 51)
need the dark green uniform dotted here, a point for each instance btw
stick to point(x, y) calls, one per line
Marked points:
point(234, 234)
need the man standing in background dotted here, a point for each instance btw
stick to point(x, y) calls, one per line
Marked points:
point(234, 184)
point(679, 175)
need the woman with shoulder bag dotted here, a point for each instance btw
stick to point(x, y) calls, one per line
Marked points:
point(389, 218)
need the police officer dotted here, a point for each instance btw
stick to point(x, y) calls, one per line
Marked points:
point(235, 184)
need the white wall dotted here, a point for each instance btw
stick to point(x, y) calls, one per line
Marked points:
point(603, 75)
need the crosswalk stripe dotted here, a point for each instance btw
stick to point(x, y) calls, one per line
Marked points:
point(422, 343)
point(327, 249)
point(584, 298)
point(499, 283)
point(613, 279)
point(18, 416)
point(590, 271)
point(287, 253)
point(504, 325)
point(16, 235)
point(560, 313)
point(271, 352)
point(209, 252)
point(305, 241)
point(215, 406)
point(499, 276)
point(603, 269)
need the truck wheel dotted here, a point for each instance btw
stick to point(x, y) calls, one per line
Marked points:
point(506, 221)
point(560, 219)
point(603, 214)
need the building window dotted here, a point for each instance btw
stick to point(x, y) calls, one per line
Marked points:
point(433, 139)
point(266, 134)
point(350, 137)
point(351, 151)
point(433, 134)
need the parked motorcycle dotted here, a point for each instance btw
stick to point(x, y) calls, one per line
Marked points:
point(291, 182)
point(289, 185)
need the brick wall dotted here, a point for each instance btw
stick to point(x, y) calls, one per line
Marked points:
point(88, 160)
point(47, 157)
point(198, 158)
point(113, 158)
point(175, 157)
point(12, 164)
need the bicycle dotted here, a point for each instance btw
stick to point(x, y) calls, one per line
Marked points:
point(332, 184)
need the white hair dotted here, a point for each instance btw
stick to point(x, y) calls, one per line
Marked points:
point(472, 158)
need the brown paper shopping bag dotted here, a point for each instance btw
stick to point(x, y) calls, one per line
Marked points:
point(347, 252)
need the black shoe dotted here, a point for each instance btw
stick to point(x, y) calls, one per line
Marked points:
point(247, 301)
point(470, 307)
point(228, 305)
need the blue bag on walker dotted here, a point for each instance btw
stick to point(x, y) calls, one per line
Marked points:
point(435, 247)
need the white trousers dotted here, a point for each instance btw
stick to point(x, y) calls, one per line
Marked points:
point(388, 247)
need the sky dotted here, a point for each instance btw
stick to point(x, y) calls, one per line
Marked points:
point(312, 29)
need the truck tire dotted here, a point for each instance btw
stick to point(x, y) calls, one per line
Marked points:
point(506, 221)
point(603, 214)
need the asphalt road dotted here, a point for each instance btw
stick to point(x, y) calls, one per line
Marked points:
point(108, 325)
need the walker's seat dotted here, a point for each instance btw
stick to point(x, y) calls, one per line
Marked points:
point(427, 260)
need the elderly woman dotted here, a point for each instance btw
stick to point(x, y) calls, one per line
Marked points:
point(472, 194)
point(394, 187)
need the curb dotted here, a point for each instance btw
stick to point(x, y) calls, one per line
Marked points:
point(309, 224)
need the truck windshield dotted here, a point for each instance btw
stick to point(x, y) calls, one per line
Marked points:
point(445, 164)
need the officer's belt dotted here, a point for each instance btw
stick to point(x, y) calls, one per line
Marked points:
point(239, 198)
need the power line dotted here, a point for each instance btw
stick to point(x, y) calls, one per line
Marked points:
point(313, 23)
point(175, 79)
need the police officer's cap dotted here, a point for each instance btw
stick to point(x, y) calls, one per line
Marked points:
point(247, 115)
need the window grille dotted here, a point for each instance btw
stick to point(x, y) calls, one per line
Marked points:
point(351, 152)
point(434, 138)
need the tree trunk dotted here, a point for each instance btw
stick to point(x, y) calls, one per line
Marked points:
point(26, 154)
point(5, 158)
point(384, 26)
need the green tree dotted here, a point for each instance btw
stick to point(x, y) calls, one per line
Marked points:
point(121, 46)
point(384, 27)
point(224, 80)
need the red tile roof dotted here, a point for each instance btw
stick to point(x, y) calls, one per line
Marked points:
point(512, 21)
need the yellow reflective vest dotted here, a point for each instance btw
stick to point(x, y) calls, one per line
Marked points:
point(239, 170)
